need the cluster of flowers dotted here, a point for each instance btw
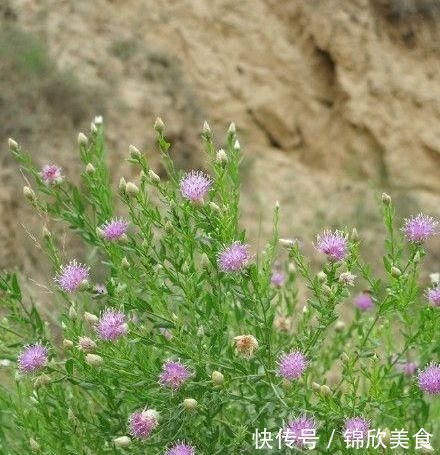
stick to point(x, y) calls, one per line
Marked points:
point(234, 258)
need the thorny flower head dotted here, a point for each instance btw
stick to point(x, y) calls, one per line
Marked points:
point(429, 379)
point(364, 301)
point(333, 244)
point(142, 423)
point(71, 276)
point(277, 279)
point(112, 325)
point(419, 228)
point(234, 257)
point(114, 229)
point(32, 358)
point(180, 449)
point(299, 429)
point(174, 374)
point(433, 295)
point(356, 428)
point(51, 174)
point(292, 365)
point(195, 186)
point(246, 345)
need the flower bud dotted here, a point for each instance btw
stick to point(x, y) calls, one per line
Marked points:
point(214, 206)
point(93, 128)
point(190, 404)
point(12, 144)
point(122, 185)
point(134, 151)
point(90, 169)
point(67, 344)
point(221, 157)
point(236, 145)
point(325, 390)
point(286, 384)
point(286, 243)
point(131, 189)
point(206, 129)
point(153, 177)
point(395, 272)
point(91, 318)
point(29, 193)
point(326, 289)
point(122, 441)
point(94, 359)
point(322, 277)
point(72, 312)
point(41, 380)
point(33, 444)
point(347, 278)
point(316, 387)
point(82, 140)
point(86, 344)
point(354, 235)
point(124, 263)
point(217, 378)
point(84, 285)
point(291, 268)
point(232, 129)
point(435, 278)
point(386, 199)
point(416, 258)
point(98, 120)
point(159, 126)
point(339, 326)
point(46, 233)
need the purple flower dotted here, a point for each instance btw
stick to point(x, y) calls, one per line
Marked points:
point(51, 174)
point(364, 301)
point(112, 325)
point(332, 244)
point(181, 449)
point(32, 358)
point(429, 379)
point(71, 276)
point(142, 423)
point(292, 365)
point(298, 429)
point(419, 228)
point(409, 368)
point(234, 257)
point(356, 428)
point(114, 229)
point(195, 185)
point(277, 279)
point(433, 295)
point(174, 374)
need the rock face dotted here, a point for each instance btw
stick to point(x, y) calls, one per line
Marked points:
point(333, 99)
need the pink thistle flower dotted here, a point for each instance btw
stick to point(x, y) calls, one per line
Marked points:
point(142, 423)
point(195, 185)
point(32, 358)
point(114, 229)
point(429, 379)
point(234, 257)
point(298, 429)
point(291, 366)
point(364, 301)
point(71, 276)
point(419, 228)
point(409, 368)
point(51, 174)
point(112, 325)
point(181, 449)
point(277, 279)
point(356, 428)
point(433, 295)
point(332, 244)
point(174, 374)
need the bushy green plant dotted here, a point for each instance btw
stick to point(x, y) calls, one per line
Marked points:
point(177, 322)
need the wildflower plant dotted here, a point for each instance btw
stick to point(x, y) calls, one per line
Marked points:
point(174, 335)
